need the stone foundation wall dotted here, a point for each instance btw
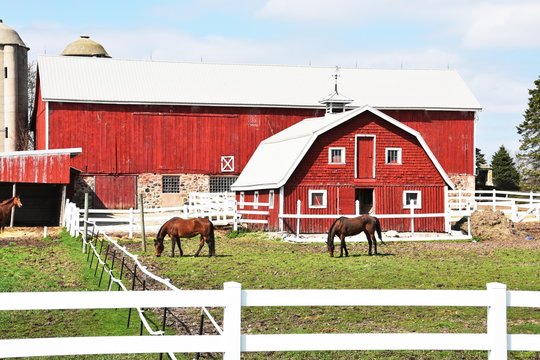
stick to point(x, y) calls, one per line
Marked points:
point(150, 185)
point(463, 181)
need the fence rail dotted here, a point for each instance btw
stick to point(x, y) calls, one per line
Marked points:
point(232, 342)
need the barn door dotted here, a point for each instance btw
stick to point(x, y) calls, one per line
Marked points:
point(365, 157)
point(115, 192)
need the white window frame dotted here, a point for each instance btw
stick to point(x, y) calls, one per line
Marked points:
point(227, 163)
point(387, 151)
point(417, 205)
point(330, 161)
point(271, 196)
point(324, 199)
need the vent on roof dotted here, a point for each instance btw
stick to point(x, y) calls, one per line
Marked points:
point(335, 102)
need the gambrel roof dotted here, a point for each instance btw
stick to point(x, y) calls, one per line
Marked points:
point(102, 80)
point(277, 157)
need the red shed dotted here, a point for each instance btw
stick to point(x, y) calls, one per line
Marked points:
point(330, 162)
point(165, 129)
point(40, 178)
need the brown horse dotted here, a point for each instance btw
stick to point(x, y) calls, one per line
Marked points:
point(177, 228)
point(5, 209)
point(343, 227)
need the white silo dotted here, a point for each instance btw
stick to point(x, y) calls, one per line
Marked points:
point(13, 88)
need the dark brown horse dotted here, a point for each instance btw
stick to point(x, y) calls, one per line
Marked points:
point(343, 227)
point(5, 210)
point(178, 228)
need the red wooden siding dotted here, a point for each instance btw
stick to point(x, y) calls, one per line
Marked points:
point(130, 139)
point(449, 134)
point(115, 192)
point(43, 169)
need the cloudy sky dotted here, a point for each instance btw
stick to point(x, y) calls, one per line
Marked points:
point(493, 44)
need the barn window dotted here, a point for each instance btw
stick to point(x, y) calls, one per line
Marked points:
point(336, 155)
point(412, 199)
point(227, 163)
point(317, 199)
point(221, 183)
point(393, 155)
point(256, 200)
point(271, 199)
point(170, 184)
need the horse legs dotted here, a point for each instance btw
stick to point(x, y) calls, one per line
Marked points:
point(368, 237)
point(343, 246)
point(374, 239)
point(175, 241)
point(201, 244)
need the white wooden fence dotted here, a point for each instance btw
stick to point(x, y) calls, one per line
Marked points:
point(518, 206)
point(232, 341)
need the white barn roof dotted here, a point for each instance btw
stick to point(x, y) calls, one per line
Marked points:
point(277, 157)
point(99, 80)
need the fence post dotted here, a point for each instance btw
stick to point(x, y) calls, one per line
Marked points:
point(496, 322)
point(232, 316)
point(298, 210)
point(85, 224)
point(412, 216)
point(235, 216)
point(143, 232)
point(447, 219)
point(131, 223)
point(494, 200)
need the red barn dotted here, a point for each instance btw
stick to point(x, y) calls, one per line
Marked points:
point(331, 162)
point(165, 129)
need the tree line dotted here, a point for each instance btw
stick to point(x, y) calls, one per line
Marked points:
point(523, 173)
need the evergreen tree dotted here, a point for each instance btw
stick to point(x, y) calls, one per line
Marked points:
point(481, 174)
point(480, 158)
point(529, 129)
point(505, 174)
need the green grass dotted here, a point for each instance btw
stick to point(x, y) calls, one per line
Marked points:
point(57, 265)
point(258, 262)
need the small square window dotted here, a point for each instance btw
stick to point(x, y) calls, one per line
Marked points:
point(170, 184)
point(336, 155)
point(317, 199)
point(393, 155)
point(227, 163)
point(412, 199)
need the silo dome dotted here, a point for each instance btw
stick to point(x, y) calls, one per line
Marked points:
point(8, 36)
point(84, 46)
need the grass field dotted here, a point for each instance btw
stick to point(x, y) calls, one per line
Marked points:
point(256, 261)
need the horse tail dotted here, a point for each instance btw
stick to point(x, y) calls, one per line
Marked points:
point(211, 241)
point(378, 228)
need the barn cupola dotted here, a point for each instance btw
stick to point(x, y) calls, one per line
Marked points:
point(335, 102)
point(84, 46)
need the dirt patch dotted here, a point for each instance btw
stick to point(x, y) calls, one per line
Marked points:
point(27, 236)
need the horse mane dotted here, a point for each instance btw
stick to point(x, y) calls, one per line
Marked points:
point(160, 236)
point(331, 232)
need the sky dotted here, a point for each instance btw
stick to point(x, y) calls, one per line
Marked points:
point(493, 44)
